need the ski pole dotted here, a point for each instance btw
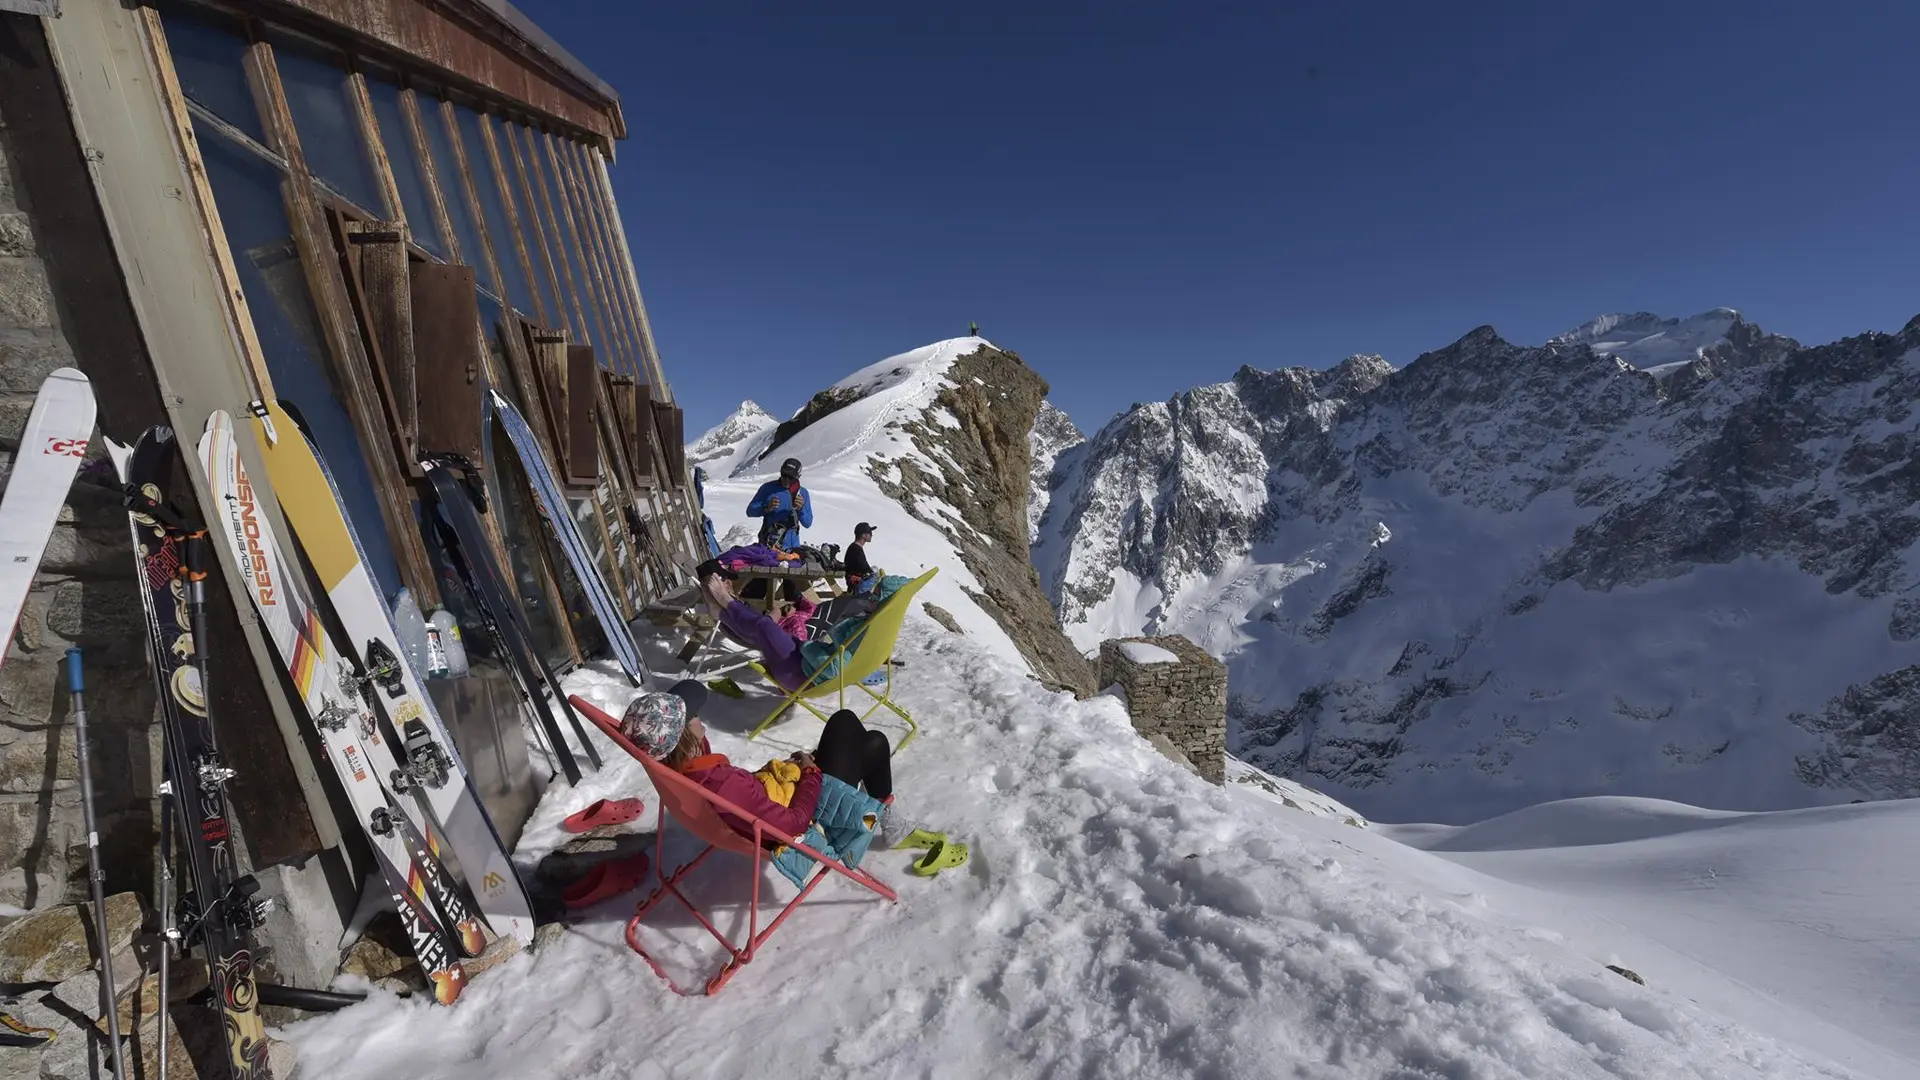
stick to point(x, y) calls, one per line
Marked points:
point(168, 931)
point(109, 998)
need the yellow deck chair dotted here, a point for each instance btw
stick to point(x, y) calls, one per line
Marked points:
point(870, 649)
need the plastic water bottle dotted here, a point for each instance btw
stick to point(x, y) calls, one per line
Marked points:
point(448, 631)
point(436, 653)
point(411, 628)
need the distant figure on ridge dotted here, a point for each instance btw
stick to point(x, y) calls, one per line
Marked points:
point(973, 328)
point(783, 507)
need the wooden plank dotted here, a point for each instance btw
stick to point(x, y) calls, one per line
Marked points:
point(429, 172)
point(376, 148)
point(543, 201)
point(510, 205)
point(656, 375)
point(446, 324)
point(517, 336)
point(341, 334)
point(464, 188)
point(677, 448)
point(592, 266)
point(593, 214)
point(540, 251)
point(583, 408)
point(376, 269)
point(473, 48)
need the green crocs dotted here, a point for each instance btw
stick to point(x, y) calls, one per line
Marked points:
point(726, 685)
point(944, 855)
point(921, 838)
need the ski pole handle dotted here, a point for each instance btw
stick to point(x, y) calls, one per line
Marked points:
point(75, 684)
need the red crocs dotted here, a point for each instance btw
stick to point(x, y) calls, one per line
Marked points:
point(603, 812)
point(607, 880)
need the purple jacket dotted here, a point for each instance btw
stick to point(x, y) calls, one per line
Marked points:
point(744, 790)
point(752, 555)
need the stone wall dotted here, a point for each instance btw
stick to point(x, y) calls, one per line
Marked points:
point(1183, 701)
point(84, 594)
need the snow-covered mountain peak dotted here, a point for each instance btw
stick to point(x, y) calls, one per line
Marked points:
point(738, 438)
point(1648, 341)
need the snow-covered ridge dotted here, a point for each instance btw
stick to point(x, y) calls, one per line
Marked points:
point(1650, 342)
point(1503, 575)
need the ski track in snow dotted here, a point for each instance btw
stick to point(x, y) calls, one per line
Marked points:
point(1119, 917)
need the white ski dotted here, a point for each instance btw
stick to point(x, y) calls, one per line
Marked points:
point(306, 495)
point(362, 758)
point(50, 451)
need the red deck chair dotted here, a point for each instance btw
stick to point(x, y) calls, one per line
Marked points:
point(697, 810)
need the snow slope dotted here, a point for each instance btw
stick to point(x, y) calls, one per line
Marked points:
point(1771, 918)
point(1119, 918)
point(835, 452)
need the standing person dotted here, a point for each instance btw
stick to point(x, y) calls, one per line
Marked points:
point(784, 508)
point(973, 328)
point(859, 570)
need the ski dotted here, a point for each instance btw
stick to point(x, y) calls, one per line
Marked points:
point(362, 759)
point(50, 450)
point(433, 771)
point(505, 623)
point(171, 561)
point(553, 507)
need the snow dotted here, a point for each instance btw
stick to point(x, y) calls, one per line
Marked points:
point(733, 443)
point(1658, 346)
point(1146, 652)
point(1120, 917)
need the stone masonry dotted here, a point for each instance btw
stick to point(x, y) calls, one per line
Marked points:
point(83, 595)
point(1183, 701)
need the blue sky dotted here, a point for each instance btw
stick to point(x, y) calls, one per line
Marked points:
point(1138, 199)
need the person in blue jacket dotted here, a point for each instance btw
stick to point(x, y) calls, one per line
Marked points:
point(784, 507)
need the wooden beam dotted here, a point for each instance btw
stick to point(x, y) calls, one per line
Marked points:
point(557, 317)
point(510, 204)
point(429, 173)
point(543, 199)
point(656, 375)
point(376, 148)
point(341, 335)
point(622, 345)
point(464, 189)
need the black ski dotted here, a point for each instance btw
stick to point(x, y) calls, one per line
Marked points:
point(171, 559)
point(505, 624)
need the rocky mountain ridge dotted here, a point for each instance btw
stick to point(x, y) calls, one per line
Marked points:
point(1679, 552)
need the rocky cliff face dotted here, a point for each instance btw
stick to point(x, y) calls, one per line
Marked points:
point(985, 472)
point(1653, 556)
point(1053, 434)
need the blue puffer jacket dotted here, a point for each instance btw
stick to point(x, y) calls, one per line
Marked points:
point(840, 829)
point(821, 661)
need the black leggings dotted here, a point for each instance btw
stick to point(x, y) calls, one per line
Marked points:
point(850, 753)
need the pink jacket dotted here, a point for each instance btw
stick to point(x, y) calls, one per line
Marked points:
point(744, 790)
point(795, 622)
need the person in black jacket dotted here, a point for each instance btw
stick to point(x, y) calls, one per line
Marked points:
point(859, 571)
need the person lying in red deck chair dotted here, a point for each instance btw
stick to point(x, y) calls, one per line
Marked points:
point(848, 775)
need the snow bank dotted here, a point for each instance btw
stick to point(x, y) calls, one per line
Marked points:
point(1119, 918)
point(1146, 652)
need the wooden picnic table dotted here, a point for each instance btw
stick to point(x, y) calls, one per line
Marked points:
point(806, 574)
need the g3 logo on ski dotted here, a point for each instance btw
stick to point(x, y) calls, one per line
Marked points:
point(59, 447)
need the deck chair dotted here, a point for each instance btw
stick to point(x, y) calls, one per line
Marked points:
point(698, 811)
point(869, 650)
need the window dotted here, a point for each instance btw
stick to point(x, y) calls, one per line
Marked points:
point(532, 226)
point(248, 194)
point(407, 174)
point(323, 116)
point(453, 191)
point(210, 62)
point(480, 167)
point(566, 244)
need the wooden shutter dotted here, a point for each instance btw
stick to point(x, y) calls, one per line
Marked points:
point(374, 264)
point(677, 449)
point(445, 346)
point(663, 438)
point(547, 354)
point(635, 408)
point(582, 402)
